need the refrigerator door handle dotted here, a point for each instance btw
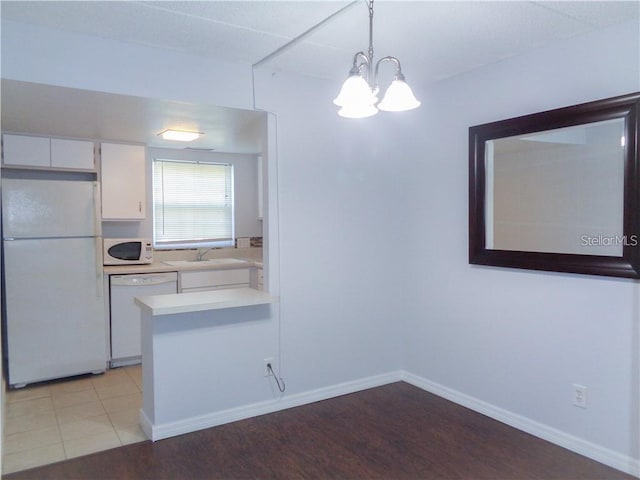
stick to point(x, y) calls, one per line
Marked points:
point(99, 279)
point(97, 216)
point(97, 211)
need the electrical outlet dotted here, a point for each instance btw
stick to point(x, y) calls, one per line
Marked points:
point(579, 395)
point(267, 362)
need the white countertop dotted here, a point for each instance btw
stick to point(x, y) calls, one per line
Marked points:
point(201, 301)
point(159, 267)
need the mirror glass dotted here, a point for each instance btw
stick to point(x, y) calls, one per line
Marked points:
point(558, 191)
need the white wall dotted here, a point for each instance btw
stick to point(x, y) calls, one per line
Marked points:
point(338, 200)
point(518, 339)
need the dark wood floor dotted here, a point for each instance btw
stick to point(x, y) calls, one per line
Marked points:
point(392, 432)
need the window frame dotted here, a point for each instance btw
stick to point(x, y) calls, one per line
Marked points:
point(194, 243)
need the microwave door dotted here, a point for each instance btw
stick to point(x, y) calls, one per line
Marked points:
point(126, 251)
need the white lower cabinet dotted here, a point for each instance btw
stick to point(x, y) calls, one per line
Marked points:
point(257, 278)
point(203, 280)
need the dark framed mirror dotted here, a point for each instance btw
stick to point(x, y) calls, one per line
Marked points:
point(558, 190)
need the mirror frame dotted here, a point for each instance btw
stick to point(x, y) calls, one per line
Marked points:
point(626, 107)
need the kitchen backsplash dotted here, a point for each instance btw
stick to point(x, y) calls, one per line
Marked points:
point(256, 242)
point(251, 253)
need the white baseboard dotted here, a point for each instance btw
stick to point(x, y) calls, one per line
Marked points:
point(595, 452)
point(145, 424)
point(166, 430)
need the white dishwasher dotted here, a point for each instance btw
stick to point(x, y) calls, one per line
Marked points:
point(126, 346)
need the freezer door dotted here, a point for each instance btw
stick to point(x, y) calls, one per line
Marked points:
point(55, 309)
point(49, 208)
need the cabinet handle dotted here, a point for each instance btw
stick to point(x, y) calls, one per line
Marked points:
point(140, 206)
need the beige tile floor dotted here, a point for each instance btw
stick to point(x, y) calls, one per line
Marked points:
point(50, 422)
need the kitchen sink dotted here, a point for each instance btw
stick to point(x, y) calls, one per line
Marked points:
point(211, 261)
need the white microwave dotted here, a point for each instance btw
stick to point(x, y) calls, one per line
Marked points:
point(127, 251)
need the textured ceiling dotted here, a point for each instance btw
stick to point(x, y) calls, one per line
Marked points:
point(434, 40)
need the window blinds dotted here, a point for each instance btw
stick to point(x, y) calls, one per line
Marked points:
point(192, 204)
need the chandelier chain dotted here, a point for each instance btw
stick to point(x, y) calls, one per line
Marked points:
point(370, 6)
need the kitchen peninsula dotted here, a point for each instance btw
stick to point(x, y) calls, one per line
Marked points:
point(185, 347)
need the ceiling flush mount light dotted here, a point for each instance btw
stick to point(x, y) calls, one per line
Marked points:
point(358, 96)
point(179, 135)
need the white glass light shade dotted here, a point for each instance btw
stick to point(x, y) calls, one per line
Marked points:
point(398, 98)
point(355, 92)
point(179, 135)
point(357, 111)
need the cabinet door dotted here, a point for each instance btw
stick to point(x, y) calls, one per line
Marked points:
point(26, 151)
point(260, 279)
point(256, 278)
point(123, 181)
point(213, 279)
point(75, 154)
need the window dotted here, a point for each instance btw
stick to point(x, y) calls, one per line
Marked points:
point(192, 204)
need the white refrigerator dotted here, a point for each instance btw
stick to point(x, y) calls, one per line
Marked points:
point(55, 312)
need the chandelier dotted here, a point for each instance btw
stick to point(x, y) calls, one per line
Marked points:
point(358, 96)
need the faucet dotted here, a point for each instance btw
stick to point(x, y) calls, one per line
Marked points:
point(201, 254)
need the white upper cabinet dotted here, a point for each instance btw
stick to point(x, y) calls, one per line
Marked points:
point(47, 153)
point(74, 154)
point(123, 181)
point(21, 150)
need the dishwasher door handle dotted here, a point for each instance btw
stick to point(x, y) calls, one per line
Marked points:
point(143, 280)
